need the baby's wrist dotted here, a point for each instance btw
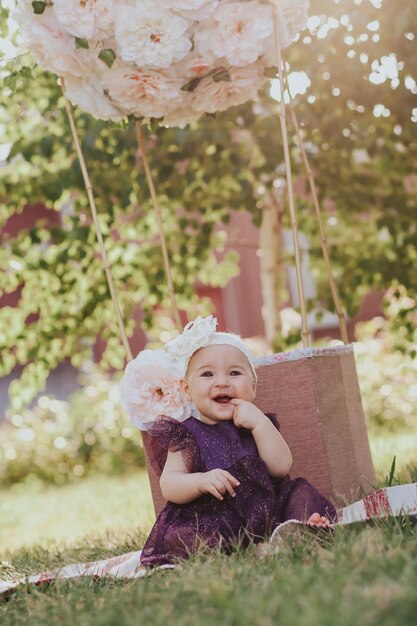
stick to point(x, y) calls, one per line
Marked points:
point(260, 422)
point(198, 476)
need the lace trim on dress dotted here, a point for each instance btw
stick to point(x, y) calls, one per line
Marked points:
point(169, 435)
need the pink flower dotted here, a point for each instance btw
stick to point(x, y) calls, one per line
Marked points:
point(92, 97)
point(87, 19)
point(237, 31)
point(152, 387)
point(191, 9)
point(172, 60)
point(149, 37)
point(51, 46)
point(292, 18)
point(211, 96)
point(182, 115)
point(141, 92)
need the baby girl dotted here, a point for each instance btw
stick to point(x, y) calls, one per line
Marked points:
point(225, 468)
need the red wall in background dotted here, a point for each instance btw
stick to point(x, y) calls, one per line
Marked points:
point(237, 306)
point(30, 214)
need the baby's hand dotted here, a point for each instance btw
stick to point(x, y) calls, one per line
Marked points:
point(246, 415)
point(217, 482)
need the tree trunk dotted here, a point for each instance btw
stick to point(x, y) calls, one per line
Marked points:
point(272, 267)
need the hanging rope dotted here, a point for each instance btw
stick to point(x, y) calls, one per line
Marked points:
point(174, 309)
point(325, 249)
point(92, 203)
point(294, 223)
point(158, 213)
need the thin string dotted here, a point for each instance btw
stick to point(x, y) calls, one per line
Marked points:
point(323, 240)
point(174, 309)
point(294, 223)
point(92, 204)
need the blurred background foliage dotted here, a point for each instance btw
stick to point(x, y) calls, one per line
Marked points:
point(387, 376)
point(60, 442)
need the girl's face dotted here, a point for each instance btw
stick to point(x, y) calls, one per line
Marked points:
point(215, 375)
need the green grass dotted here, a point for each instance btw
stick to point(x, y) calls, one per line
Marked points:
point(402, 445)
point(366, 576)
point(33, 513)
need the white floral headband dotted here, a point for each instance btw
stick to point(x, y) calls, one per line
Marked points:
point(201, 333)
point(153, 385)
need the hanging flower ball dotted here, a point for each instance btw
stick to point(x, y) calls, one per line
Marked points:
point(170, 60)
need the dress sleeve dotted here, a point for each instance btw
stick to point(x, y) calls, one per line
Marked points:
point(273, 418)
point(168, 435)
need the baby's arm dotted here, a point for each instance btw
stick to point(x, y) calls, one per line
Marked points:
point(179, 486)
point(272, 447)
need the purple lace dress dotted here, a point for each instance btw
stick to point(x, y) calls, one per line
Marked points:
point(260, 504)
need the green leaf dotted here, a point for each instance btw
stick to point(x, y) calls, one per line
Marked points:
point(38, 7)
point(10, 80)
point(24, 72)
point(392, 472)
point(81, 42)
point(192, 84)
point(108, 56)
point(271, 72)
point(221, 75)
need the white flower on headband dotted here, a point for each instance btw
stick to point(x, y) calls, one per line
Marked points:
point(200, 333)
point(196, 335)
point(152, 386)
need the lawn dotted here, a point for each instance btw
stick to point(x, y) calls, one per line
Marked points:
point(49, 516)
point(366, 575)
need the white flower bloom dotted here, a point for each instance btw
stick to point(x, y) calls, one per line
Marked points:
point(192, 65)
point(214, 88)
point(195, 335)
point(157, 73)
point(199, 333)
point(51, 46)
point(149, 37)
point(182, 115)
point(236, 31)
point(191, 9)
point(86, 19)
point(152, 387)
point(211, 96)
point(292, 18)
point(148, 93)
point(89, 94)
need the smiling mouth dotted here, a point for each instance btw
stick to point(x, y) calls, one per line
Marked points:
point(222, 399)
